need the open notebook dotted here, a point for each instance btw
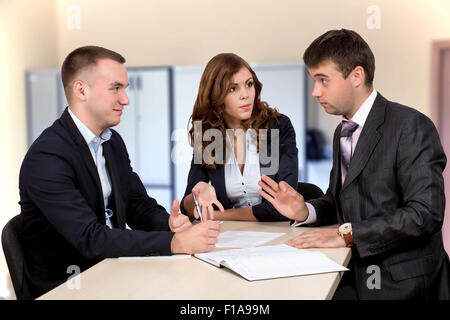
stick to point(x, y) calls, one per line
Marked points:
point(268, 262)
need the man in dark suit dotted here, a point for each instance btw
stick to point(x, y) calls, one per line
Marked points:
point(78, 192)
point(386, 187)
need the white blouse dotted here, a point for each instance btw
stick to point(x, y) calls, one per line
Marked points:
point(242, 189)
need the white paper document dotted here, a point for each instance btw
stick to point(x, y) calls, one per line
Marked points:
point(268, 262)
point(172, 257)
point(245, 239)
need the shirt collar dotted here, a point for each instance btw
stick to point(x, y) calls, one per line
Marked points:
point(360, 116)
point(87, 134)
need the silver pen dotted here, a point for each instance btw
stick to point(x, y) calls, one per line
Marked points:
point(197, 207)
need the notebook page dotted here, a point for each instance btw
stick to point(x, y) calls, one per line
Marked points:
point(245, 239)
point(278, 261)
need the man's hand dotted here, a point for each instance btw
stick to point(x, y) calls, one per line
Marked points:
point(201, 237)
point(318, 238)
point(178, 222)
point(284, 198)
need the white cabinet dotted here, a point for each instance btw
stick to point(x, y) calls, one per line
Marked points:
point(145, 124)
point(145, 127)
point(45, 101)
point(284, 87)
point(154, 125)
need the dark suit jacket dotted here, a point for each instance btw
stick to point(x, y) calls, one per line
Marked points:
point(394, 197)
point(63, 210)
point(287, 171)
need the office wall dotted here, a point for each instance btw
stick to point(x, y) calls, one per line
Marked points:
point(27, 40)
point(191, 32)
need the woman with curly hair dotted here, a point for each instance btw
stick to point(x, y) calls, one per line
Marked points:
point(250, 139)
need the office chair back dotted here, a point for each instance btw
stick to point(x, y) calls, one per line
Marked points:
point(12, 247)
point(309, 191)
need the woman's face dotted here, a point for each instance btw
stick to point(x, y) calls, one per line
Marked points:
point(240, 99)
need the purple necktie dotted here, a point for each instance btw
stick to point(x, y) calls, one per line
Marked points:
point(348, 127)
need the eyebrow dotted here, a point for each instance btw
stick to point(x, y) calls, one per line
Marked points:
point(251, 78)
point(118, 84)
point(320, 75)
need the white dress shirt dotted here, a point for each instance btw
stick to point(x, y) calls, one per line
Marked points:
point(359, 118)
point(95, 146)
point(242, 188)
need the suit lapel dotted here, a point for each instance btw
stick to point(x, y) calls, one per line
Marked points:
point(367, 140)
point(335, 181)
point(217, 177)
point(266, 150)
point(86, 154)
point(111, 167)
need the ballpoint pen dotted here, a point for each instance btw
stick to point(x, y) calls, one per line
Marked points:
point(197, 207)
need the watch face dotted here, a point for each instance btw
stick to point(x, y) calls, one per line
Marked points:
point(346, 228)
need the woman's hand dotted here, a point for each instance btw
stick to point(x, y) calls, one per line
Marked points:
point(206, 197)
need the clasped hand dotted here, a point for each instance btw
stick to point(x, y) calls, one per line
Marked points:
point(191, 239)
point(178, 222)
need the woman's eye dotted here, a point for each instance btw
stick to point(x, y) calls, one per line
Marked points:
point(250, 84)
point(323, 81)
point(232, 89)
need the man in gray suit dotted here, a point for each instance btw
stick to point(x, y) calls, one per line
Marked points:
point(386, 189)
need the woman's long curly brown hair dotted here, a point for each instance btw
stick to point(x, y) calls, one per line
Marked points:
point(209, 106)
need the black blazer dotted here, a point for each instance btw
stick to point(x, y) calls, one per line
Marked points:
point(394, 197)
point(63, 211)
point(287, 171)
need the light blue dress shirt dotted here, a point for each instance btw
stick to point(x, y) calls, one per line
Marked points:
point(95, 146)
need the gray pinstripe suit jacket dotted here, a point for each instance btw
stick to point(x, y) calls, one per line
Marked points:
point(394, 197)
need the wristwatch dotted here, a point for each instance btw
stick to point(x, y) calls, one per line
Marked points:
point(345, 231)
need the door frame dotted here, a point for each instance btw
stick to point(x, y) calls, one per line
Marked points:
point(438, 48)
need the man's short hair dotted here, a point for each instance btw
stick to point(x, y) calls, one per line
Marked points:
point(82, 58)
point(346, 48)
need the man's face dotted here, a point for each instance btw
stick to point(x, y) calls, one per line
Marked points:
point(106, 96)
point(332, 91)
